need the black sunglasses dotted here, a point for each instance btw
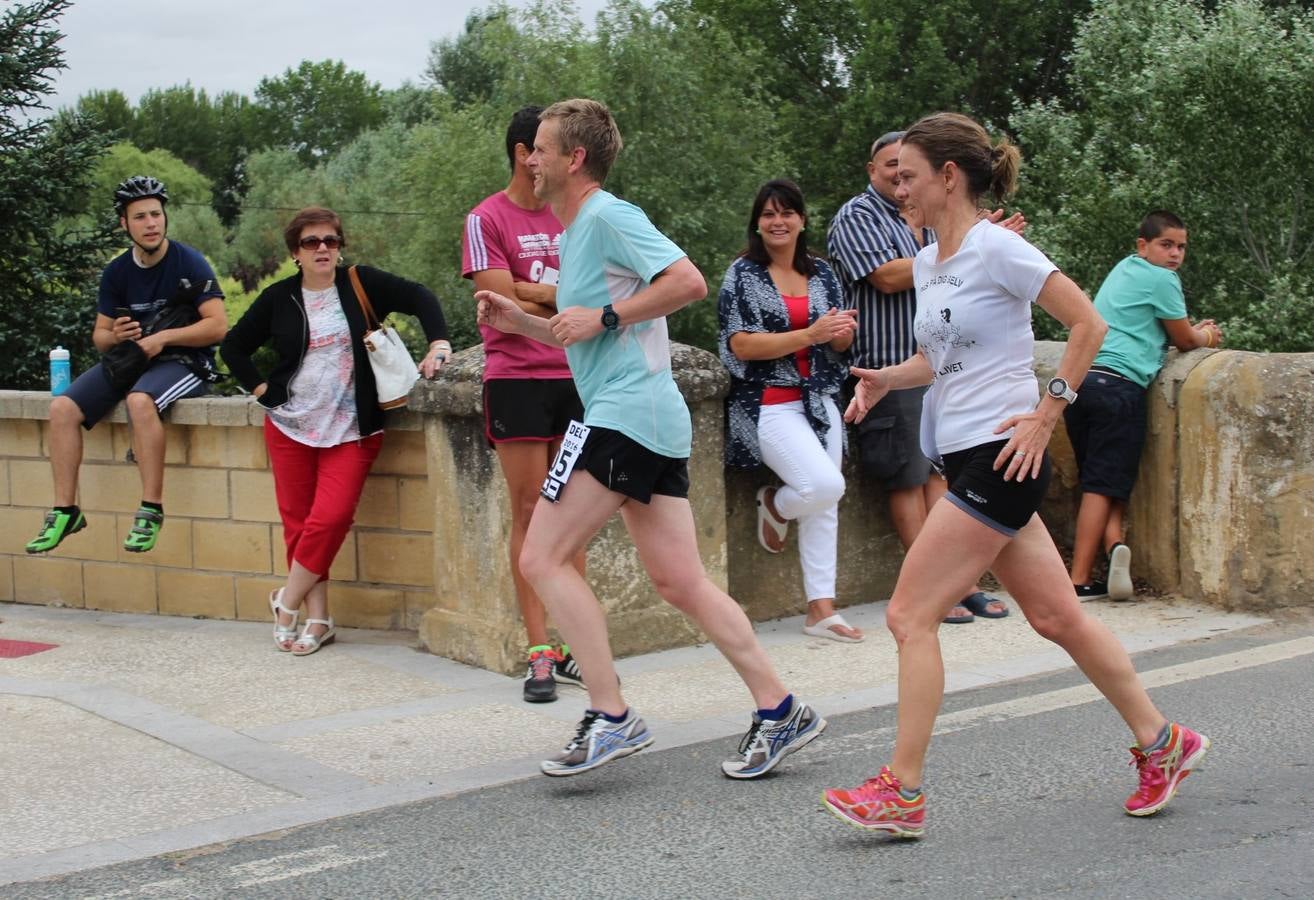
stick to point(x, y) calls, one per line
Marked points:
point(311, 242)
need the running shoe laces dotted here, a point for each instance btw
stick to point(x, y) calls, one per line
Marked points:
point(540, 666)
point(581, 737)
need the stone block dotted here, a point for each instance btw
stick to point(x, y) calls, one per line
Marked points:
point(417, 603)
point(201, 493)
point(31, 484)
point(110, 487)
point(231, 546)
point(120, 588)
point(11, 405)
point(227, 448)
point(390, 558)
point(1246, 481)
point(378, 502)
point(228, 411)
point(189, 412)
point(344, 564)
point(36, 405)
point(416, 499)
point(253, 598)
point(253, 496)
point(47, 580)
point(356, 606)
point(199, 594)
point(4, 482)
point(6, 579)
point(20, 437)
point(173, 550)
point(18, 525)
point(175, 441)
point(402, 454)
point(100, 540)
point(97, 444)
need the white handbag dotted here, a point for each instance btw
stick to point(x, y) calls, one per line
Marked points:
point(395, 373)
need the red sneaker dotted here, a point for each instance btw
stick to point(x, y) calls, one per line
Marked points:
point(877, 805)
point(1162, 770)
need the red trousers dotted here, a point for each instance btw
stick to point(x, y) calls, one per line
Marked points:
point(317, 490)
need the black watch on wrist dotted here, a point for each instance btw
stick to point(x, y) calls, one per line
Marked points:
point(1059, 389)
point(610, 320)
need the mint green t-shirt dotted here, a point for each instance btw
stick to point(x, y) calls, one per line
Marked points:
point(609, 253)
point(1133, 298)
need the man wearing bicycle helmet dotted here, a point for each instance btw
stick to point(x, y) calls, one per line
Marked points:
point(172, 361)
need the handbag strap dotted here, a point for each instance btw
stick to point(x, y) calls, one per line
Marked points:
point(371, 320)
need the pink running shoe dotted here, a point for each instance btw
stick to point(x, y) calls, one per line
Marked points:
point(877, 805)
point(1162, 770)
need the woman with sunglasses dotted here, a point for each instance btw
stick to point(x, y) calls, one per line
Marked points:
point(784, 340)
point(323, 424)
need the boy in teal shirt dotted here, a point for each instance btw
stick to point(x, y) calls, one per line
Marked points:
point(1142, 301)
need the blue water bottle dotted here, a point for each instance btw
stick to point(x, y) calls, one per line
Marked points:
point(61, 373)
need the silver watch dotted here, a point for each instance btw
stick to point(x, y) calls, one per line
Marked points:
point(1058, 389)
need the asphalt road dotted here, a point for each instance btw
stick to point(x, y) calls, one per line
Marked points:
point(1025, 785)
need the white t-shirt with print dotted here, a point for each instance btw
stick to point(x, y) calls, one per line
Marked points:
point(321, 404)
point(974, 327)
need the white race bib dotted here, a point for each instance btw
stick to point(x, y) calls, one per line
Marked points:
point(564, 464)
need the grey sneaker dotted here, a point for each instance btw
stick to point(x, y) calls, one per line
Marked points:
point(770, 740)
point(1120, 583)
point(598, 741)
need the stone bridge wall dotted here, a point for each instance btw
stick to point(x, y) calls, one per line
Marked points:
point(1222, 512)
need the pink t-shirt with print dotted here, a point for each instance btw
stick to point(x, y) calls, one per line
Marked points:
point(500, 235)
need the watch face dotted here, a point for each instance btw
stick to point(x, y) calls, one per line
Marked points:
point(1058, 387)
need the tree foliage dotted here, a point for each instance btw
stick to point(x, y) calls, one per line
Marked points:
point(317, 108)
point(1175, 106)
point(48, 272)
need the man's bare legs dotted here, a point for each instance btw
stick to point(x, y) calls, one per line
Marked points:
point(147, 444)
point(524, 465)
point(65, 448)
point(663, 532)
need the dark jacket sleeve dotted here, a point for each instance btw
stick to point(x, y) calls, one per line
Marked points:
point(390, 293)
point(250, 333)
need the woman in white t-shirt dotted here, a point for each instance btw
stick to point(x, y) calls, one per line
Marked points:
point(982, 422)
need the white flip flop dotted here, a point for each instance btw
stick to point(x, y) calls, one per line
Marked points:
point(778, 527)
point(822, 630)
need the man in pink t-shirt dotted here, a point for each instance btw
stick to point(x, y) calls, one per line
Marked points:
point(510, 246)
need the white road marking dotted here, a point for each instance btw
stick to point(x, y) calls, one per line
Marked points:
point(281, 868)
point(1064, 698)
point(173, 887)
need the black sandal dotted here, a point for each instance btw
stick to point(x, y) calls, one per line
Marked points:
point(979, 603)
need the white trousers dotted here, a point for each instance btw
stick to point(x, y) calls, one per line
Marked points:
point(812, 489)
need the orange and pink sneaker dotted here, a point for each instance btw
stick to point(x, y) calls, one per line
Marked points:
point(877, 805)
point(1162, 770)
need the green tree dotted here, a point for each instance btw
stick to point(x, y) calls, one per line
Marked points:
point(111, 109)
point(1201, 112)
point(48, 272)
point(317, 108)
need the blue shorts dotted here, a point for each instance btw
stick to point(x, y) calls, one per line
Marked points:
point(165, 382)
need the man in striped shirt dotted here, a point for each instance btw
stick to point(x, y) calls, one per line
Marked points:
point(872, 249)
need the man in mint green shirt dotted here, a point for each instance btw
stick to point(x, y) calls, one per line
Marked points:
point(620, 278)
point(1141, 300)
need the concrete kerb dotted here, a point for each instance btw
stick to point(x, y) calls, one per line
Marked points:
point(274, 755)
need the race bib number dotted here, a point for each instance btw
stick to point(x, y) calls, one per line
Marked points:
point(564, 464)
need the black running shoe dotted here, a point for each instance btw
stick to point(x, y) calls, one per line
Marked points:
point(539, 686)
point(566, 670)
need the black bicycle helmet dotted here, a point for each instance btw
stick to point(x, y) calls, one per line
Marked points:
point(138, 187)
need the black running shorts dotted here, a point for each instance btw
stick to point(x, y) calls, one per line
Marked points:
point(981, 492)
point(529, 409)
point(625, 466)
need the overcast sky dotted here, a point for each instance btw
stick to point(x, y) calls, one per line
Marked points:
point(229, 45)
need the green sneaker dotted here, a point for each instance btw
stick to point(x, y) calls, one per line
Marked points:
point(146, 525)
point(58, 525)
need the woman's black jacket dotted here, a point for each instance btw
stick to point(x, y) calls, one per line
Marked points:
point(279, 315)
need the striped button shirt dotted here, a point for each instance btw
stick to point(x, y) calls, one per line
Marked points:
point(865, 234)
